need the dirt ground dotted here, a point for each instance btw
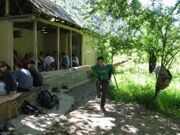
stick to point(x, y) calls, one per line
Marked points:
point(86, 118)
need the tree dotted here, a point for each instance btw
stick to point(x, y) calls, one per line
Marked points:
point(144, 29)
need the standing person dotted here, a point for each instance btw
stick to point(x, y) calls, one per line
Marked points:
point(64, 61)
point(7, 79)
point(41, 58)
point(40, 61)
point(23, 78)
point(102, 72)
point(37, 77)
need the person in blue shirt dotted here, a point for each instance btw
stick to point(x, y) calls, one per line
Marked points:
point(64, 61)
point(23, 78)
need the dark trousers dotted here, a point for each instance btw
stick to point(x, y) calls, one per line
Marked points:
point(102, 88)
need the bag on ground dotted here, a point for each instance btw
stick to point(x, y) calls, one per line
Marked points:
point(47, 100)
point(29, 109)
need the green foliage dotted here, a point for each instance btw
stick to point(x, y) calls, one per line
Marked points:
point(135, 85)
point(144, 29)
point(154, 29)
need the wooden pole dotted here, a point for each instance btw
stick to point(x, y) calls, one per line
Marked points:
point(35, 42)
point(58, 46)
point(7, 8)
point(70, 49)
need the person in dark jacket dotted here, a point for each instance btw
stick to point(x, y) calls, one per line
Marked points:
point(7, 77)
point(37, 77)
point(23, 78)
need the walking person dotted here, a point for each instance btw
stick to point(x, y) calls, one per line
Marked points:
point(103, 73)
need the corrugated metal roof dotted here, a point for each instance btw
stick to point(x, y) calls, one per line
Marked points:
point(49, 8)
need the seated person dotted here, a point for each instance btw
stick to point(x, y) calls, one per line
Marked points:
point(31, 57)
point(48, 62)
point(75, 61)
point(37, 77)
point(23, 78)
point(16, 59)
point(8, 83)
point(40, 61)
point(41, 57)
point(55, 55)
point(64, 61)
point(25, 60)
point(2, 85)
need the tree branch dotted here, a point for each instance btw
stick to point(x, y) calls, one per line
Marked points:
point(171, 59)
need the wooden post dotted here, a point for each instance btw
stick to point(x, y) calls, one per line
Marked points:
point(35, 42)
point(7, 8)
point(70, 48)
point(58, 46)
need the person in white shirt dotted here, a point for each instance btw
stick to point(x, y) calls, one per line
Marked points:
point(48, 60)
point(75, 60)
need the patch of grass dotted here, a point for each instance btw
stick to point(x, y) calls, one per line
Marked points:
point(139, 87)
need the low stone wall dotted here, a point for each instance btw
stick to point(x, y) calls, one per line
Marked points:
point(71, 77)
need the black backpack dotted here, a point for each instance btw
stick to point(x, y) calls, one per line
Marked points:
point(29, 109)
point(46, 100)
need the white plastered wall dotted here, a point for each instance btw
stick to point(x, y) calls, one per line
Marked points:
point(89, 52)
point(6, 41)
point(24, 44)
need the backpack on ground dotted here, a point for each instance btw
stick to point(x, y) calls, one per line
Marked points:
point(29, 109)
point(47, 100)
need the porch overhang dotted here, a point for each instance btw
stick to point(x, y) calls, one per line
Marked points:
point(31, 18)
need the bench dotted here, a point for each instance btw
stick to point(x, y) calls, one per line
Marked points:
point(10, 106)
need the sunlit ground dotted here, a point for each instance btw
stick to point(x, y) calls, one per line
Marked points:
point(35, 125)
point(119, 119)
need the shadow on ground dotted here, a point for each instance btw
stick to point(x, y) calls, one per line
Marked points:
point(120, 118)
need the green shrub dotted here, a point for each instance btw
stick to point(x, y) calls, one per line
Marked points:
point(139, 87)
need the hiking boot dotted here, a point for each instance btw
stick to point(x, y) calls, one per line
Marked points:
point(103, 109)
